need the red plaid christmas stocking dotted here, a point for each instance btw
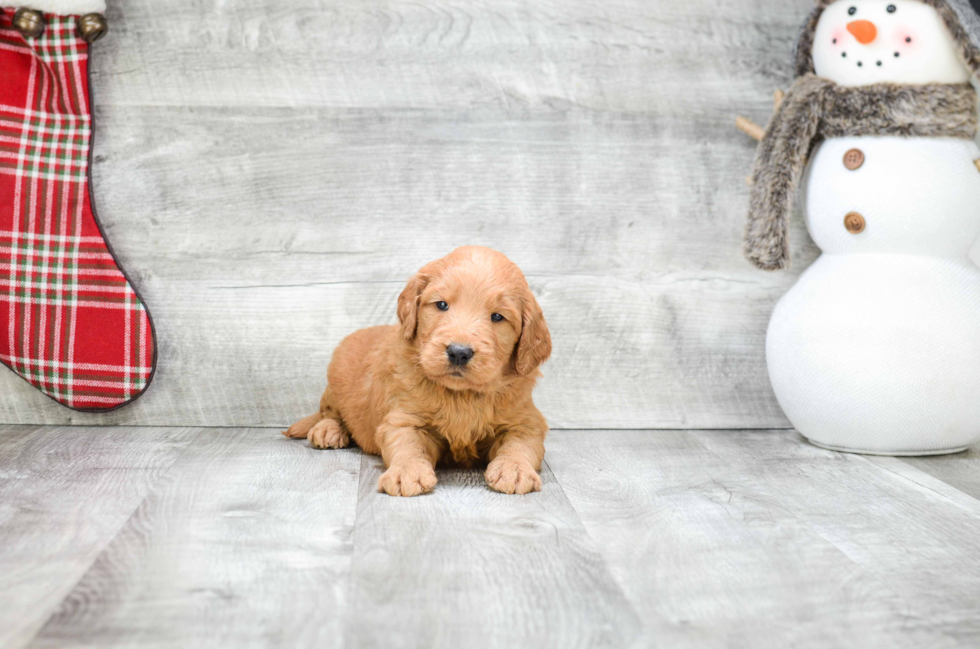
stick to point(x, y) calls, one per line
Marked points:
point(71, 324)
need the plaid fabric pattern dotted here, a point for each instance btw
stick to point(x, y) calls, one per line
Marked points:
point(70, 323)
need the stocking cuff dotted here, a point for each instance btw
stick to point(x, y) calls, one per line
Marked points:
point(59, 7)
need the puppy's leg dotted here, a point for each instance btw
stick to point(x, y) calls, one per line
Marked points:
point(305, 426)
point(515, 459)
point(410, 456)
point(328, 433)
point(302, 427)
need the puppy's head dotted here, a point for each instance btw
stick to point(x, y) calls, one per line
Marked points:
point(473, 320)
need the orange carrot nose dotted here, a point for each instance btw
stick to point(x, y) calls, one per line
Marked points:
point(863, 30)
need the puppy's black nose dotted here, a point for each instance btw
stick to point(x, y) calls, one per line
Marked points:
point(459, 355)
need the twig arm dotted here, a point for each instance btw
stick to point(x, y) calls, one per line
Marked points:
point(750, 128)
point(777, 100)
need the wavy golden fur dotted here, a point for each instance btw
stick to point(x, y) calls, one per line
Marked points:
point(396, 391)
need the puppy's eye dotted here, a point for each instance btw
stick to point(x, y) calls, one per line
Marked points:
point(496, 317)
point(442, 306)
point(892, 9)
point(852, 11)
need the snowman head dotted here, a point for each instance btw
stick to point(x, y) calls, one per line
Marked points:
point(859, 42)
point(862, 42)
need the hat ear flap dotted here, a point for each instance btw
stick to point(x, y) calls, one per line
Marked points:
point(803, 63)
point(963, 23)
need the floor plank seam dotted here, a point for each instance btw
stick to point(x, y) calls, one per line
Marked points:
point(348, 589)
point(283, 427)
point(595, 544)
point(958, 498)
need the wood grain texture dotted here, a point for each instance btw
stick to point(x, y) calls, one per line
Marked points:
point(246, 542)
point(64, 495)
point(271, 173)
point(506, 55)
point(759, 539)
point(468, 567)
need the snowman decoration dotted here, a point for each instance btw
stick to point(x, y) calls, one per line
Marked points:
point(876, 349)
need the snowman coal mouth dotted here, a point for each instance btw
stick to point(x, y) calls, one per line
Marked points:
point(878, 63)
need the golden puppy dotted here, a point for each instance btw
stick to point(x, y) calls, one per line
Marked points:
point(452, 383)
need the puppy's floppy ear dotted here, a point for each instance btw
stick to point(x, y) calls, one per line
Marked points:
point(410, 299)
point(534, 346)
point(408, 304)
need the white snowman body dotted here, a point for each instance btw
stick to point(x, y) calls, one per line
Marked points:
point(877, 347)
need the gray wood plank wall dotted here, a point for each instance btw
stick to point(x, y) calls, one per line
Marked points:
point(270, 173)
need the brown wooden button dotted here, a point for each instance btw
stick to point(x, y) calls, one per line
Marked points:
point(854, 223)
point(853, 159)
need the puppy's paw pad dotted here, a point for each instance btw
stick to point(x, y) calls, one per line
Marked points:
point(510, 477)
point(408, 480)
point(327, 433)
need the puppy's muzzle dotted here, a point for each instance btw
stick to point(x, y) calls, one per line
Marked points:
point(459, 355)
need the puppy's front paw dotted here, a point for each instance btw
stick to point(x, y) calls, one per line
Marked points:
point(408, 479)
point(511, 477)
point(328, 433)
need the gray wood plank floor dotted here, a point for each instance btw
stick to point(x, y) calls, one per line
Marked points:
point(64, 495)
point(125, 536)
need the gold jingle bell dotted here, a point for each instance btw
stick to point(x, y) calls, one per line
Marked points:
point(92, 27)
point(28, 22)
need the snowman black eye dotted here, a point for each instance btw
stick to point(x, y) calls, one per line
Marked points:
point(908, 39)
point(852, 11)
point(892, 9)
